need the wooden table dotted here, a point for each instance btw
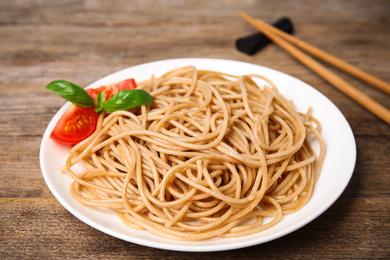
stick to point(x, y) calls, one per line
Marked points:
point(82, 41)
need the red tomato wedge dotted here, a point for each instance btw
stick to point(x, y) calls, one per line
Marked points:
point(78, 123)
point(112, 89)
point(75, 125)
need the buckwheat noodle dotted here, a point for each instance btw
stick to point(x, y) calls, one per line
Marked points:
point(215, 155)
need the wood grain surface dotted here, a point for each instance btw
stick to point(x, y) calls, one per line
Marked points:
point(82, 41)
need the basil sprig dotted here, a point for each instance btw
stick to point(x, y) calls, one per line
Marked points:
point(122, 100)
point(127, 99)
point(100, 100)
point(71, 92)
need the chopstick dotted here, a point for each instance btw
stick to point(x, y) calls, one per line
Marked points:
point(338, 63)
point(368, 103)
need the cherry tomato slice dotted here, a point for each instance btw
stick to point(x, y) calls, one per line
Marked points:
point(75, 125)
point(78, 123)
point(112, 89)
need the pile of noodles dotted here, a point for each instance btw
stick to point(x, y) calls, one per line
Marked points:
point(214, 156)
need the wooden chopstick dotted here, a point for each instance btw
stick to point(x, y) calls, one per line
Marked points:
point(336, 62)
point(326, 74)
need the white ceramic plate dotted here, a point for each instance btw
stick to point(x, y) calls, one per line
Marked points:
point(337, 169)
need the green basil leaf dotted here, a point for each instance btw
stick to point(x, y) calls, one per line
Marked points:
point(71, 92)
point(100, 100)
point(127, 99)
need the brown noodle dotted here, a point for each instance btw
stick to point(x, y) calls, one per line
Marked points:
point(214, 156)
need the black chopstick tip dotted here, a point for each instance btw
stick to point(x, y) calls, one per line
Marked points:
point(255, 42)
